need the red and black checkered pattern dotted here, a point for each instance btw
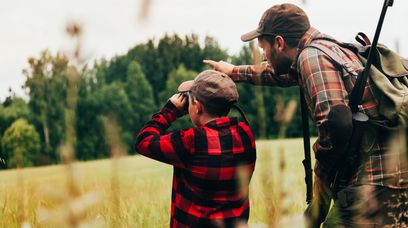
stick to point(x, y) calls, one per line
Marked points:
point(326, 85)
point(213, 165)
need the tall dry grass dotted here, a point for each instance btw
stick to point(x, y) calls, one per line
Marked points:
point(145, 191)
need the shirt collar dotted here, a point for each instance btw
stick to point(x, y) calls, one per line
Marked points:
point(222, 122)
point(304, 42)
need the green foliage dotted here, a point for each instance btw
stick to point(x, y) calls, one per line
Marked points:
point(148, 57)
point(131, 87)
point(140, 95)
point(47, 87)
point(157, 61)
point(175, 78)
point(90, 138)
point(12, 109)
point(115, 102)
point(129, 100)
point(21, 144)
point(213, 51)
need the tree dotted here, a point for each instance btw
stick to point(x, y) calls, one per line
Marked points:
point(13, 108)
point(191, 54)
point(21, 143)
point(149, 59)
point(47, 87)
point(175, 78)
point(114, 102)
point(140, 94)
point(212, 50)
point(90, 133)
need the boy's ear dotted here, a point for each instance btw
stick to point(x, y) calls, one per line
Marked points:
point(199, 107)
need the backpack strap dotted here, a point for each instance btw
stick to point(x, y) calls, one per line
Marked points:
point(363, 39)
point(332, 54)
point(236, 107)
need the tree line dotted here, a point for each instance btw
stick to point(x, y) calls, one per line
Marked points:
point(130, 87)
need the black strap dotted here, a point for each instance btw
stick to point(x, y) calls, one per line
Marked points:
point(236, 107)
point(307, 162)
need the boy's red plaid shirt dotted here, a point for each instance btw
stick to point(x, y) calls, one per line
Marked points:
point(213, 165)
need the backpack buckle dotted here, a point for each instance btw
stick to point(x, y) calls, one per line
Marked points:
point(350, 69)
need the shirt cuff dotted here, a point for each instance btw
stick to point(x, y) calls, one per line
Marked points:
point(170, 111)
point(240, 73)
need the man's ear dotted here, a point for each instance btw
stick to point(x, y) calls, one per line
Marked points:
point(280, 43)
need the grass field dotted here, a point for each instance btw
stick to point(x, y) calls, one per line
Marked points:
point(140, 193)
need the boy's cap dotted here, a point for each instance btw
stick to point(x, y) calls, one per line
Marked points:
point(286, 20)
point(211, 87)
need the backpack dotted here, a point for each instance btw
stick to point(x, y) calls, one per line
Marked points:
point(389, 73)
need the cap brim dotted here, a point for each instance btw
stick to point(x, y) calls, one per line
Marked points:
point(250, 36)
point(185, 86)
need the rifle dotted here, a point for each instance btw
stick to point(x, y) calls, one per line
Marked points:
point(349, 165)
point(307, 163)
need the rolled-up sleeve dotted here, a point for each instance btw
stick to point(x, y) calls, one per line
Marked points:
point(262, 75)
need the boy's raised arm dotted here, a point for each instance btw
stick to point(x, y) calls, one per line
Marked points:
point(172, 148)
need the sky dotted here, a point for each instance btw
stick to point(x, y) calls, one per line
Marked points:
point(112, 27)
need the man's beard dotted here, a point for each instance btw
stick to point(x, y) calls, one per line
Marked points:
point(282, 64)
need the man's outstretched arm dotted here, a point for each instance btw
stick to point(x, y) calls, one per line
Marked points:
point(262, 75)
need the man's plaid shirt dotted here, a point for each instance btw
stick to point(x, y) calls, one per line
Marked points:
point(213, 165)
point(326, 85)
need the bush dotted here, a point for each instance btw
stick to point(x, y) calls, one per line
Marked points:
point(21, 144)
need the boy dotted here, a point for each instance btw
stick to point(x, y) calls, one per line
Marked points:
point(213, 162)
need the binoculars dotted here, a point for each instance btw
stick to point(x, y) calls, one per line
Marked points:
point(186, 94)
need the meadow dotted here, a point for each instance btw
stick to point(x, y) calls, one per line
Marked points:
point(134, 191)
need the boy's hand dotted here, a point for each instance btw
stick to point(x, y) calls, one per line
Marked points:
point(179, 100)
point(221, 66)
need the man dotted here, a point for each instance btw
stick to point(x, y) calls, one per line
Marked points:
point(377, 194)
point(213, 162)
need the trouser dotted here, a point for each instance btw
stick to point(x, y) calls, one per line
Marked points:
point(369, 206)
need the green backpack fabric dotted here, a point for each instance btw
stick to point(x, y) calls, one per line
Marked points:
point(391, 79)
point(389, 72)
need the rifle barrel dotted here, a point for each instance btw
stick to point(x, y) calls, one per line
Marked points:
point(357, 95)
point(307, 163)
